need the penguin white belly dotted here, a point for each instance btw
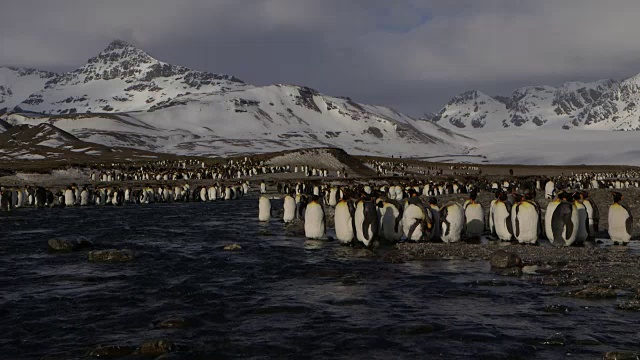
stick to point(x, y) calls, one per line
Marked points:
point(564, 225)
point(618, 216)
point(524, 217)
point(492, 227)
point(203, 194)
point(264, 209)
point(314, 221)
point(84, 198)
point(388, 218)
point(474, 214)
point(453, 224)
point(227, 194)
point(343, 223)
point(549, 190)
point(548, 216)
point(500, 219)
point(69, 198)
point(289, 209)
point(359, 222)
point(413, 214)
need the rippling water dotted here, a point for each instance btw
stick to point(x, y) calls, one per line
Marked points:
point(278, 297)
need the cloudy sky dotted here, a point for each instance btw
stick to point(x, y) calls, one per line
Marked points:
point(413, 55)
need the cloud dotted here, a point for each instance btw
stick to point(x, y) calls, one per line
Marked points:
point(410, 54)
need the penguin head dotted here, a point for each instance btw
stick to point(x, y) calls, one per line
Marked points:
point(433, 201)
point(617, 197)
point(473, 195)
point(502, 196)
point(577, 195)
point(518, 198)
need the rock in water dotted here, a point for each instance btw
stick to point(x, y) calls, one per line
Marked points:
point(593, 293)
point(503, 260)
point(111, 255)
point(59, 245)
point(156, 347)
point(232, 247)
point(621, 355)
point(110, 351)
point(62, 245)
point(177, 323)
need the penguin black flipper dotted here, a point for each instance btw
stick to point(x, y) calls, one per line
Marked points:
point(517, 229)
point(366, 222)
point(443, 216)
point(596, 215)
point(561, 219)
point(413, 228)
point(399, 218)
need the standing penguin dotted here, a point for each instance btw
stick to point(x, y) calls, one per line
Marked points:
point(289, 209)
point(502, 217)
point(314, 222)
point(474, 215)
point(69, 197)
point(525, 220)
point(561, 221)
point(415, 219)
point(434, 213)
point(583, 219)
point(264, 209)
point(620, 221)
point(549, 190)
point(452, 222)
point(391, 214)
point(344, 223)
point(492, 227)
point(366, 220)
point(592, 212)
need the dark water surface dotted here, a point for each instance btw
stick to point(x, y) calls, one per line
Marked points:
point(278, 297)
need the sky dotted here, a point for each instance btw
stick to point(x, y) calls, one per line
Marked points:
point(411, 55)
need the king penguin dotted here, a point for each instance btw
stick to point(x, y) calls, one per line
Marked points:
point(525, 220)
point(583, 219)
point(366, 220)
point(344, 224)
point(314, 222)
point(452, 222)
point(415, 219)
point(391, 214)
point(264, 209)
point(561, 221)
point(502, 217)
point(592, 212)
point(474, 215)
point(289, 209)
point(620, 221)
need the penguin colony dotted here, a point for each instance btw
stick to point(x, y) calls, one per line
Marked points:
point(366, 213)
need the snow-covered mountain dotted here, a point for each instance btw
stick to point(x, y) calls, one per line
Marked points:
point(601, 105)
point(125, 97)
point(16, 84)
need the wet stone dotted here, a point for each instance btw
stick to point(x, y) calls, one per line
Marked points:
point(557, 309)
point(514, 271)
point(621, 355)
point(62, 245)
point(556, 339)
point(156, 347)
point(176, 323)
point(632, 305)
point(394, 257)
point(232, 247)
point(593, 293)
point(503, 260)
point(111, 255)
point(110, 351)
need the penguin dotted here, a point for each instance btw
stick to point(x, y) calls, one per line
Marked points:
point(366, 220)
point(391, 215)
point(492, 227)
point(264, 209)
point(344, 221)
point(84, 197)
point(474, 215)
point(434, 211)
point(592, 213)
point(561, 221)
point(501, 217)
point(549, 190)
point(289, 209)
point(583, 219)
point(452, 222)
point(69, 197)
point(314, 221)
point(620, 221)
point(525, 220)
point(263, 187)
point(416, 222)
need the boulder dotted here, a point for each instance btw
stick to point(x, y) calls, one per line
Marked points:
point(503, 260)
point(232, 247)
point(593, 293)
point(156, 347)
point(63, 245)
point(112, 255)
point(110, 351)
